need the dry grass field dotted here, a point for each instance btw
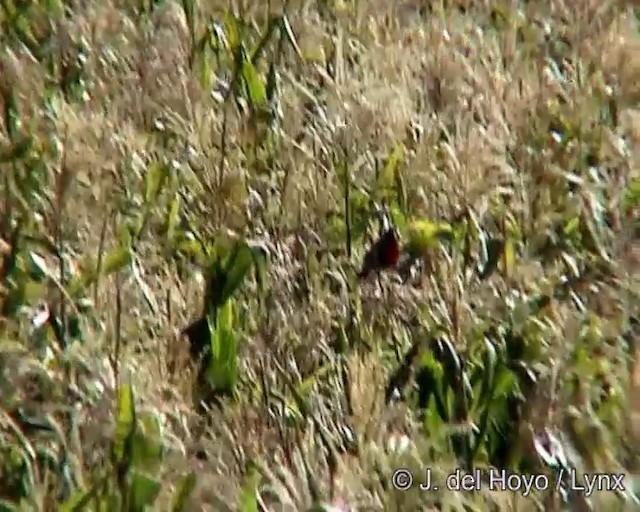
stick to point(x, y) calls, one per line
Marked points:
point(226, 165)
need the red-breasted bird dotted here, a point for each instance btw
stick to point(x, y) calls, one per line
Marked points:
point(384, 254)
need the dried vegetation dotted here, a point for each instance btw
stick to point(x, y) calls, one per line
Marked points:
point(219, 165)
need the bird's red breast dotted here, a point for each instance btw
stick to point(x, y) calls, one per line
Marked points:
point(388, 249)
point(384, 254)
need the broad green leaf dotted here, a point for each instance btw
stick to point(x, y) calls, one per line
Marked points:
point(173, 218)
point(509, 256)
point(143, 491)
point(204, 69)
point(249, 494)
point(235, 271)
point(632, 195)
point(125, 234)
point(185, 488)
point(231, 30)
point(147, 443)
point(222, 371)
point(115, 260)
point(255, 87)
point(226, 316)
point(486, 397)
point(54, 7)
point(125, 423)
point(432, 418)
point(424, 234)
point(572, 226)
point(398, 219)
point(155, 180)
point(387, 177)
point(504, 382)
point(427, 361)
point(79, 500)
point(192, 249)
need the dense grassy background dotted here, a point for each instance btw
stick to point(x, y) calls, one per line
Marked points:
point(161, 156)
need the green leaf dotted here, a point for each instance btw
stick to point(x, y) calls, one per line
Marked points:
point(181, 496)
point(204, 68)
point(115, 260)
point(424, 234)
point(387, 178)
point(225, 316)
point(79, 500)
point(191, 249)
point(222, 371)
point(503, 382)
point(155, 179)
point(172, 218)
point(632, 195)
point(147, 449)
point(231, 30)
point(255, 87)
point(509, 256)
point(125, 424)
point(226, 277)
point(249, 495)
point(143, 491)
point(572, 226)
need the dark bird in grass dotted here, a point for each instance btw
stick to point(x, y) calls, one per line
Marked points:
point(383, 255)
